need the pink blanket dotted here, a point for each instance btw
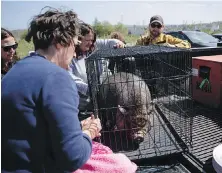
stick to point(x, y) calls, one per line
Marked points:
point(103, 160)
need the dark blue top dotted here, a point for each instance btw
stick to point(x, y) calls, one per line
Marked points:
point(40, 127)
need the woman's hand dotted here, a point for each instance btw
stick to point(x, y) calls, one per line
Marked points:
point(91, 126)
point(119, 45)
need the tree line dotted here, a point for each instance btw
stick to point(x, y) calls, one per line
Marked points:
point(104, 28)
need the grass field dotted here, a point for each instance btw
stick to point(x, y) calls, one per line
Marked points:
point(23, 48)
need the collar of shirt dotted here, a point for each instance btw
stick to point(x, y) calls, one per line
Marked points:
point(148, 40)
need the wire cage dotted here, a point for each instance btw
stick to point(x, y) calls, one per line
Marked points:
point(142, 95)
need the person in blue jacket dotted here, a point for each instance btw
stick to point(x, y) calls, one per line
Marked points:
point(41, 131)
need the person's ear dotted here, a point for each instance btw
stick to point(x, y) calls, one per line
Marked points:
point(58, 46)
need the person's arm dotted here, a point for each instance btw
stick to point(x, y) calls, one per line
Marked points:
point(70, 146)
point(140, 41)
point(143, 40)
point(82, 87)
point(101, 44)
point(178, 42)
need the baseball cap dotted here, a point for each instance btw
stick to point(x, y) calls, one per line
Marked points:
point(156, 18)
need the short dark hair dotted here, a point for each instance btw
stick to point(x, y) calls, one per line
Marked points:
point(53, 27)
point(5, 34)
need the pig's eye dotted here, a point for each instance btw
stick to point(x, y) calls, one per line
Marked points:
point(122, 110)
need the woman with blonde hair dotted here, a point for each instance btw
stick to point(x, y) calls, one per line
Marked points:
point(118, 36)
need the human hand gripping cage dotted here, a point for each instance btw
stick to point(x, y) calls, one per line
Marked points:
point(126, 100)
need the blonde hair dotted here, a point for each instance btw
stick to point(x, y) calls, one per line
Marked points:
point(117, 35)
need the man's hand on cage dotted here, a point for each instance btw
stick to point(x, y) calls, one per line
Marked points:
point(92, 127)
point(168, 44)
point(119, 45)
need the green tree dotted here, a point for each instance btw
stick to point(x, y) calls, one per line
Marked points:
point(23, 48)
point(108, 28)
point(23, 35)
point(121, 28)
point(102, 28)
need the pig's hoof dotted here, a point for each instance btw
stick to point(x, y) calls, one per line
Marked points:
point(139, 139)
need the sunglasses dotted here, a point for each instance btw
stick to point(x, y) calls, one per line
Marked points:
point(8, 48)
point(153, 25)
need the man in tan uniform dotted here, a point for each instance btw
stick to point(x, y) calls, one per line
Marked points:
point(155, 35)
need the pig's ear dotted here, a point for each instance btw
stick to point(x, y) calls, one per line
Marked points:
point(121, 109)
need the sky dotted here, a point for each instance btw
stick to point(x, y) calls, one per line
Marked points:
point(18, 14)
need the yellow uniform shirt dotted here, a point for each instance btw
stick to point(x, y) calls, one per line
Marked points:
point(163, 39)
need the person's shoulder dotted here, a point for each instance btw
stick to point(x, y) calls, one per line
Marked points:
point(168, 36)
point(58, 76)
point(172, 38)
point(40, 65)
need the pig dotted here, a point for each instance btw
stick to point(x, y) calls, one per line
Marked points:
point(126, 103)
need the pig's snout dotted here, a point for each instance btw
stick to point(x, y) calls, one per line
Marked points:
point(139, 124)
point(138, 137)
